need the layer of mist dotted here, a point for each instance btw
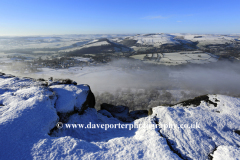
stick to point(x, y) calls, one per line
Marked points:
point(222, 77)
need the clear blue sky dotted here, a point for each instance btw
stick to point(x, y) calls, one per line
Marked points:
point(48, 17)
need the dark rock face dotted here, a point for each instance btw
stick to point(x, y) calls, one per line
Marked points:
point(1, 74)
point(237, 131)
point(30, 78)
point(122, 112)
point(6, 75)
point(90, 101)
point(197, 100)
point(150, 112)
point(40, 79)
point(51, 81)
point(117, 109)
point(64, 81)
point(119, 112)
point(138, 114)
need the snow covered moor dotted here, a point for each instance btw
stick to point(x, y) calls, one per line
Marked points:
point(202, 128)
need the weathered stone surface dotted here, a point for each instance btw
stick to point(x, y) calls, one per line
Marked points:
point(63, 81)
point(119, 112)
point(122, 112)
point(72, 99)
point(138, 114)
point(90, 100)
point(150, 111)
point(197, 100)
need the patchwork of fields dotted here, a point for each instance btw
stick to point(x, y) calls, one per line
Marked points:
point(177, 58)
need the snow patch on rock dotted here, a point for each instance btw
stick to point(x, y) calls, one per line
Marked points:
point(70, 97)
point(97, 143)
point(227, 152)
point(216, 125)
point(26, 115)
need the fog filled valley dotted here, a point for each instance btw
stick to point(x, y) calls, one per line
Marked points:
point(109, 65)
point(148, 86)
point(47, 82)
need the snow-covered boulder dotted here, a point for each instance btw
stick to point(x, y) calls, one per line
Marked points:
point(196, 131)
point(27, 114)
point(29, 111)
point(71, 97)
point(98, 143)
point(226, 152)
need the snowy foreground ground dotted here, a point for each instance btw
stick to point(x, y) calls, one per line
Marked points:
point(28, 111)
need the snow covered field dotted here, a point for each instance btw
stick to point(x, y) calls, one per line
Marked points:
point(155, 40)
point(28, 111)
point(177, 58)
point(210, 39)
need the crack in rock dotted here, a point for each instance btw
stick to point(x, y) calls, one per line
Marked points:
point(170, 142)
